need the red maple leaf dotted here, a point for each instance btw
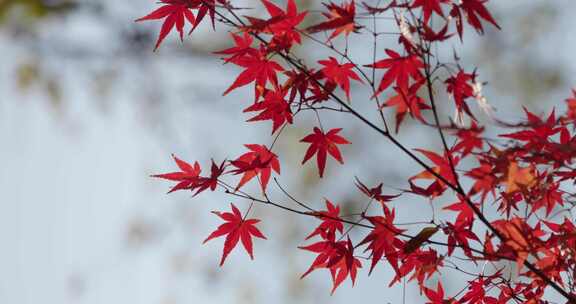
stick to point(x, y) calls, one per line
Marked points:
point(465, 213)
point(282, 24)
point(458, 234)
point(433, 190)
point(550, 196)
point(206, 7)
point(338, 257)
point(259, 161)
point(429, 6)
point(375, 193)
point(406, 101)
point(347, 266)
point(382, 240)
point(340, 19)
point(469, 139)
point(243, 47)
point(185, 178)
point(323, 144)
point(209, 182)
point(399, 69)
point(485, 179)
point(236, 228)
point(299, 82)
point(339, 73)
point(435, 297)
point(538, 136)
point(330, 222)
point(476, 293)
point(442, 168)
point(273, 107)
point(258, 69)
point(424, 263)
point(474, 10)
point(321, 93)
point(571, 104)
point(429, 34)
point(174, 13)
point(460, 86)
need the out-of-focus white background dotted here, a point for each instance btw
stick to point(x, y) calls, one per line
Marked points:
point(88, 112)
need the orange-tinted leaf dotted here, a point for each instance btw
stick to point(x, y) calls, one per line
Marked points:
point(417, 241)
point(519, 177)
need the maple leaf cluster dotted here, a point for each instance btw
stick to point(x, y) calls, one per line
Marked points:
point(494, 199)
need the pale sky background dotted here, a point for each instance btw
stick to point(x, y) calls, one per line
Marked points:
point(88, 112)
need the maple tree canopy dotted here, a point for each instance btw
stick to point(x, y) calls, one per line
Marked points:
point(500, 206)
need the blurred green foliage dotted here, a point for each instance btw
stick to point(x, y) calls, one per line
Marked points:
point(32, 9)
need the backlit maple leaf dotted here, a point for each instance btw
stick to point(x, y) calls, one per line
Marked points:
point(243, 47)
point(382, 240)
point(485, 179)
point(429, 34)
point(476, 293)
point(519, 238)
point(340, 19)
point(236, 228)
point(571, 104)
point(549, 198)
point(458, 234)
point(209, 182)
point(399, 69)
point(273, 107)
point(347, 266)
point(435, 297)
point(282, 24)
point(473, 10)
point(407, 101)
point(259, 161)
point(429, 6)
point(205, 7)
point(323, 144)
point(461, 88)
point(375, 193)
point(538, 136)
point(469, 139)
point(339, 73)
point(518, 177)
point(174, 13)
point(257, 68)
point(185, 178)
point(422, 264)
point(442, 168)
point(330, 222)
point(338, 257)
point(465, 212)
